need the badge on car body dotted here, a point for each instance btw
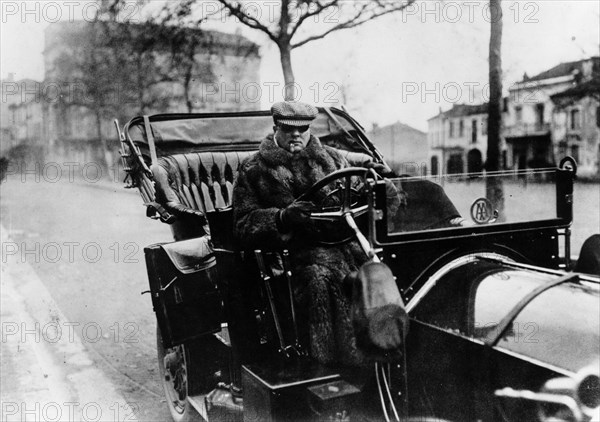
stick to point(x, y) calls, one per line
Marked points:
point(482, 211)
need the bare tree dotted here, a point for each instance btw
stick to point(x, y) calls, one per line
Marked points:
point(154, 57)
point(494, 187)
point(186, 66)
point(117, 69)
point(91, 72)
point(283, 27)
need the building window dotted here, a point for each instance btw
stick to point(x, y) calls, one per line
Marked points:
point(451, 130)
point(461, 128)
point(519, 113)
point(474, 131)
point(434, 165)
point(455, 164)
point(484, 126)
point(575, 123)
point(575, 152)
point(539, 111)
point(562, 149)
point(66, 122)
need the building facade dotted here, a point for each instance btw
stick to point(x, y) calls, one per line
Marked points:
point(404, 147)
point(98, 71)
point(21, 113)
point(528, 124)
point(545, 118)
point(457, 139)
point(576, 126)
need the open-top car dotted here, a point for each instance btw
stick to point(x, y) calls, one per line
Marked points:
point(499, 327)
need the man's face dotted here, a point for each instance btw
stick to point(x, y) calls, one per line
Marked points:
point(292, 138)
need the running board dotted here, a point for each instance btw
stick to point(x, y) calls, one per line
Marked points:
point(199, 405)
point(223, 409)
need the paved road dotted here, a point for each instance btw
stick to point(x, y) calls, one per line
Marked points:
point(85, 243)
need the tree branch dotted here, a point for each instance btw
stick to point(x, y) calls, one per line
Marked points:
point(250, 21)
point(308, 14)
point(359, 18)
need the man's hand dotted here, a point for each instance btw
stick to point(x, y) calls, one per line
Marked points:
point(381, 169)
point(295, 215)
point(396, 196)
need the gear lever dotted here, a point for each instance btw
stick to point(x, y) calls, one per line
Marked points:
point(294, 349)
point(288, 276)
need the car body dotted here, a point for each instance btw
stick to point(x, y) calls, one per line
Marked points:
point(500, 329)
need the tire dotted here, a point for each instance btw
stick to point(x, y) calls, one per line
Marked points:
point(177, 385)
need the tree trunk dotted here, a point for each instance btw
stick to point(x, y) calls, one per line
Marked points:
point(187, 80)
point(188, 61)
point(494, 187)
point(285, 53)
point(140, 84)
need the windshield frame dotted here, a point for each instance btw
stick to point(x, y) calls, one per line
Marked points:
point(380, 235)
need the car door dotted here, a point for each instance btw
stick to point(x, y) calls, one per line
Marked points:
point(453, 371)
point(556, 335)
point(447, 366)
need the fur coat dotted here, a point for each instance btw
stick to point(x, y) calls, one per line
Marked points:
point(269, 181)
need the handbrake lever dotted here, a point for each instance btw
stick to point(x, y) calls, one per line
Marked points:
point(267, 281)
point(288, 276)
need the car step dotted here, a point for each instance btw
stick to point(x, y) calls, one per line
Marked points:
point(199, 404)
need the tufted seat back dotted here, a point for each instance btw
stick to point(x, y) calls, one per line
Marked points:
point(203, 182)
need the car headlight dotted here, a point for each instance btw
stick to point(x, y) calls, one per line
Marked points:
point(565, 398)
point(583, 388)
point(588, 394)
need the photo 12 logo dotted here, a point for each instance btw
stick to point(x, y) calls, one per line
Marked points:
point(52, 172)
point(70, 252)
point(464, 92)
point(64, 331)
point(26, 171)
point(269, 92)
point(470, 11)
point(268, 11)
point(63, 11)
point(69, 411)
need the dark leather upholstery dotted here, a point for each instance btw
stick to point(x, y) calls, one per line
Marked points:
point(197, 181)
point(191, 186)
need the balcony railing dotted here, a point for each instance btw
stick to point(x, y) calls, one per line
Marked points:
point(526, 129)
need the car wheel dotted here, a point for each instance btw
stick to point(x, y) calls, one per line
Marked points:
point(174, 368)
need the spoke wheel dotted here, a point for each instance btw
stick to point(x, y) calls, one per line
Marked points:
point(173, 364)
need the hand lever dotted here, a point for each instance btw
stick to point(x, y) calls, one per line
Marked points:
point(267, 280)
point(288, 276)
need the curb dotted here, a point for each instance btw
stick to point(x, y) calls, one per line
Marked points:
point(54, 377)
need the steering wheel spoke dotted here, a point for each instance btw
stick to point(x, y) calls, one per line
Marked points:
point(347, 194)
point(326, 216)
point(358, 211)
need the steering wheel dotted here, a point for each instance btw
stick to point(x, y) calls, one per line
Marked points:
point(343, 203)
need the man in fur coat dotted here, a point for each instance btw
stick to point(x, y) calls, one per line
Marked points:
point(266, 217)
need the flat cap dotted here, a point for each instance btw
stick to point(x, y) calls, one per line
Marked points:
point(293, 113)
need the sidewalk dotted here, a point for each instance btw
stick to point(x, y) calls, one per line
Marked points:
point(46, 373)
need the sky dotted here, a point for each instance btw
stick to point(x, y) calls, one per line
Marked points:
point(401, 67)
